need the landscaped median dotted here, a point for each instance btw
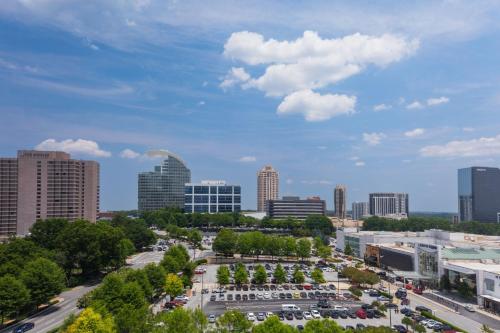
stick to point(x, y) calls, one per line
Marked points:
point(431, 316)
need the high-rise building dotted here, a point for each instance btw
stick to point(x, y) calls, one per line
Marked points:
point(163, 187)
point(389, 204)
point(479, 194)
point(212, 196)
point(295, 207)
point(339, 199)
point(46, 184)
point(359, 210)
point(267, 186)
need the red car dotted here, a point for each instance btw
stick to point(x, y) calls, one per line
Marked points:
point(307, 287)
point(409, 286)
point(361, 314)
point(418, 290)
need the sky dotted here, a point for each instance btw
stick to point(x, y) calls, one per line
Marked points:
point(393, 96)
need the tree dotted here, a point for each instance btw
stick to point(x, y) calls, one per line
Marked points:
point(319, 223)
point(180, 320)
point(175, 259)
point(419, 328)
point(134, 229)
point(233, 321)
point(407, 321)
point(260, 274)
point(173, 285)
point(348, 250)
point(304, 248)
point(279, 274)
point(225, 242)
point(156, 276)
point(44, 279)
point(13, 296)
point(290, 247)
point(194, 238)
point(140, 276)
point(486, 329)
point(464, 290)
point(223, 275)
point(444, 282)
point(317, 276)
point(298, 276)
point(45, 232)
point(240, 274)
point(90, 321)
point(273, 325)
point(322, 326)
point(324, 252)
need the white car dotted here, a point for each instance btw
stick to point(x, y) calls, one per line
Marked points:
point(315, 314)
point(182, 298)
point(269, 314)
point(267, 296)
point(470, 308)
point(274, 295)
point(259, 296)
point(251, 316)
point(307, 315)
point(211, 318)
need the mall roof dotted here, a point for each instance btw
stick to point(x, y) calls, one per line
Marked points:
point(470, 253)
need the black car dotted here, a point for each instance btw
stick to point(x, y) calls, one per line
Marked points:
point(298, 315)
point(300, 327)
point(289, 295)
point(272, 287)
point(251, 296)
point(260, 287)
point(289, 315)
point(349, 328)
point(231, 288)
point(360, 326)
point(286, 287)
point(245, 288)
point(282, 295)
point(400, 328)
point(213, 298)
point(366, 306)
point(281, 316)
point(252, 287)
point(351, 314)
point(299, 287)
point(303, 295)
point(343, 314)
point(236, 297)
point(245, 297)
point(335, 314)
point(266, 287)
point(374, 293)
point(421, 308)
point(230, 296)
point(391, 306)
point(24, 328)
point(324, 313)
point(238, 288)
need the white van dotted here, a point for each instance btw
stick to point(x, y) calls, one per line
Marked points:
point(290, 307)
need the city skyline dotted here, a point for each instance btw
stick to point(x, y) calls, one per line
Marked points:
point(402, 117)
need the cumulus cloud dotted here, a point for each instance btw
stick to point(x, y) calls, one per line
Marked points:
point(415, 105)
point(79, 146)
point(382, 107)
point(129, 153)
point(359, 164)
point(247, 159)
point(437, 101)
point(235, 76)
point(414, 133)
point(317, 107)
point(464, 148)
point(317, 182)
point(373, 139)
point(310, 62)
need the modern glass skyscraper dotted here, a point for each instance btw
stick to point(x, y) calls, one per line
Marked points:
point(163, 187)
point(479, 194)
point(339, 198)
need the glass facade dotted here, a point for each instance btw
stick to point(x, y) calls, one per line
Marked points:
point(212, 198)
point(164, 187)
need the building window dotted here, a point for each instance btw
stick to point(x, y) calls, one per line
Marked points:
point(489, 284)
point(225, 190)
point(188, 190)
point(237, 190)
point(200, 199)
point(201, 190)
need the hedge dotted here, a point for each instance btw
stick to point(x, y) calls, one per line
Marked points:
point(431, 316)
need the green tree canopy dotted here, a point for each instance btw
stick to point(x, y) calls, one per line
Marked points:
point(90, 321)
point(260, 274)
point(180, 320)
point(322, 326)
point(298, 276)
point(13, 296)
point(223, 275)
point(156, 275)
point(233, 321)
point(44, 279)
point(317, 276)
point(45, 232)
point(279, 274)
point(240, 274)
point(304, 248)
point(273, 325)
point(225, 242)
point(173, 285)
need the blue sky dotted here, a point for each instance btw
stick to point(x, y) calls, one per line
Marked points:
point(393, 96)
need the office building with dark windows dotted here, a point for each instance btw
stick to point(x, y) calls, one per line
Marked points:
point(212, 196)
point(340, 201)
point(295, 207)
point(163, 187)
point(359, 210)
point(479, 194)
point(394, 205)
point(38, 185)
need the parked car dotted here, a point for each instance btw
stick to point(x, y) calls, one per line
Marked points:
point(251, 316)
point(470, 308)
point(399, 328)
point(24, 328)
point(361, 314)
point(211, 318)
point(261, 316)
point(422, 308)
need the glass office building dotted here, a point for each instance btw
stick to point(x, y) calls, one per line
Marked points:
point(211, 196)
point(163, 187)
point(479, 194)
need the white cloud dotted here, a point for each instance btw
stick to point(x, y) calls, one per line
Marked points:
point(247, 159)
point(468, 129)
point(201, 103)
point(373, 139)
point(317, 182)
point(354, 158)
point(415, 105)
point(382, 107)
point(359, 164)
point(414, 133)
point(289, 181)
point(129, 153)
point(79, 146)
point(295, 68)
point(317, 107)
point(437, 101)
point(465, 148)
point(235, 76)
point(130, 23)
point(94, 47)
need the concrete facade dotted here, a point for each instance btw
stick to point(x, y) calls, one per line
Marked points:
point(267, 187)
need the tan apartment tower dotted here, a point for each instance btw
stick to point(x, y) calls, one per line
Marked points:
point(46, 184)
point(339, 198)
point(267, 186)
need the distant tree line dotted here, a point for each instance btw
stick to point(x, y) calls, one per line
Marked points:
point(314, 225)
point(58, 253)
point(424, 223)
